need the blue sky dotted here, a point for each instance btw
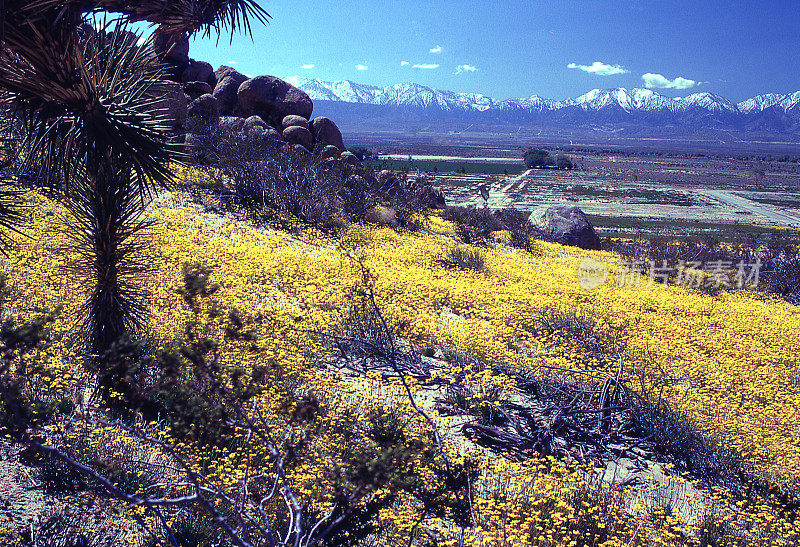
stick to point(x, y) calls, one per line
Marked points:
point(516, 48)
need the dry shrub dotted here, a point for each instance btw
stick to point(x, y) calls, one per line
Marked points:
point(464, 258)
point(475, 226)
point(273, 179)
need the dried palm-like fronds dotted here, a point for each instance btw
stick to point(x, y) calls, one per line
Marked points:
point(92, 101)
point(188, 16)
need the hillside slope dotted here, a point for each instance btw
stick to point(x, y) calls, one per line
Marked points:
point(290, 288)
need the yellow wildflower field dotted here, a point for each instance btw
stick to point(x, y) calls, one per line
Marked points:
point(732, 361)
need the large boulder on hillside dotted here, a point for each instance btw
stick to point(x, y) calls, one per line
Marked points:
point(350, 159)
point(329, 152)
point(382, 216)
point(222, 71)
point(299, 135)
point(172, 47)
point(228, 82)
point(197, 71)
point(273, 99)
point(196, 89)
point(326, 133)
point(173, 104)
point(567, 225)
point(255, 121)
point(203, 115)
point(293, 120)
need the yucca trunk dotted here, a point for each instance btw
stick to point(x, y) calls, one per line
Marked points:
point(91, 106)
point(107, 304)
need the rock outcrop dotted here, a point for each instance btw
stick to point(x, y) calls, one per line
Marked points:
point(197, 89)
point(350, 158)
point(254, 121)
point(202, 102)
point(326, 133)
point(296, 134)
point(197, 71)
point(203, 115)
point(227, 89)
point(273, 99)
point(173, 48)
point(293, 120)
point(329, 152)
point(174, 104)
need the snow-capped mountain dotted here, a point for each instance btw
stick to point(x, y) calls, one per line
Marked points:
point(534, 103)
point(768, 112)
point(707, 101)
point(628, 100)
point(759, 102)
point(790, 102)
point(408, 95)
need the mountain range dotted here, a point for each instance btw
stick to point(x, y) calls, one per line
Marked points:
point(640, 108)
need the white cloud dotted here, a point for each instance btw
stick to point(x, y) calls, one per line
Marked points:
point(657, 80)
point(600, 68)
point(460, 69)
point(436, 49)
point(425, 66)
point(232, 63)
point(404, 63)
point(362, 67)
point(308, 66)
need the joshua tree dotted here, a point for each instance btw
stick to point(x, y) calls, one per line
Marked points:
point(89, 100)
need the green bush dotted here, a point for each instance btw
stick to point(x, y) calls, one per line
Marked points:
point(464, 258)
point(473, 225)
point(536, 158)
point(563, 162)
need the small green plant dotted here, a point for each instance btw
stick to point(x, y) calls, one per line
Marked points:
point(188, 529)
point(473, 225)
point(485, 407)
point(63, 529)
point(196, 283)
point(464, 258)
point(366, 336)
point(679, 440)
point(56, 476)
point(713, 532)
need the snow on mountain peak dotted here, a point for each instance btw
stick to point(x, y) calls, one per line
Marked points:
point(759, 102)
point(630, 101)
point(708, 101)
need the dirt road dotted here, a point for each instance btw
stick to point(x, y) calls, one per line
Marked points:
point(771, 215)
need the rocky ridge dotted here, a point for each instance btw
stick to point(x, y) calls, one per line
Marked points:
point(202, 100)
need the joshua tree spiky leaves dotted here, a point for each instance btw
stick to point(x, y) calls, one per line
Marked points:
point(89, 100)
